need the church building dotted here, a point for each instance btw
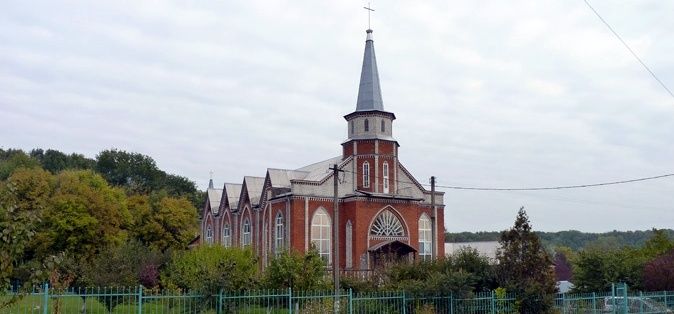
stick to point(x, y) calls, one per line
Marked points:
point(383, 213)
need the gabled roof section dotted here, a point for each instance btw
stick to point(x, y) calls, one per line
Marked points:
point(319, 170)
point(230, 195)
point(280, 178)
point(369, 91)
point(214, 197)
point(252, 187)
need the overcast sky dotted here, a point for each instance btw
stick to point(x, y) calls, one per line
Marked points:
point(487, 93)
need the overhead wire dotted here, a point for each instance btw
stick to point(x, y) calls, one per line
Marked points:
point(629, 49)
point(534, 188)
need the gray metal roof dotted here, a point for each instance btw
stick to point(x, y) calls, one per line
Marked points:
point(233, 191)
point(280, 178)
point(254, 186)
point(369, 91)
point(319, 170)
point(214, 196)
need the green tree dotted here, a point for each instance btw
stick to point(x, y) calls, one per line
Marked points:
point(23, 198)
point(84, 216)
point(298, 271)
point(525, 268)
point(163, 222)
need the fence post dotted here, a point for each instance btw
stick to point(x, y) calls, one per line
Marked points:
point(493, 303)
point(350, 301)
point(140, 299)
point(219, 310)
point(290, 300)
point(594, 303)
point(45, 302)
point(563, 303)
point(451, 303)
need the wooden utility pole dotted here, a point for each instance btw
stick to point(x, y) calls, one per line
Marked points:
point(335, 233)
point(434, 212)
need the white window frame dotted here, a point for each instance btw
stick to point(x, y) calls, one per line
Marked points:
point(226, 234)
point(425, 236)
point(366, 174)
point(209, 234)
point(279, 234)
point(385, 175)
point(321, 234)
point(246, 238)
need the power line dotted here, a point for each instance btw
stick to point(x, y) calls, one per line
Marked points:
point(562, 187)
point(629, 49)
point(538, 188)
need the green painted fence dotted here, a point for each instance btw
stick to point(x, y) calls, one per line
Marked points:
point(137, 300)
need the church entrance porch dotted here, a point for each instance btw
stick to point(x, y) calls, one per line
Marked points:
point(390, 252)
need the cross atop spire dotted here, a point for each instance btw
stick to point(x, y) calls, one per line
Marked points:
point(369, 10)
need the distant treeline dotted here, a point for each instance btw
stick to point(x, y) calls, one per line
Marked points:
point(573, 239)
point(136, 173)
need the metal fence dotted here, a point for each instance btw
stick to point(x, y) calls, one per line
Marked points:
point(137, 300)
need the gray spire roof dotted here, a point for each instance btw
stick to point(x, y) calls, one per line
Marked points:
point(369, 91)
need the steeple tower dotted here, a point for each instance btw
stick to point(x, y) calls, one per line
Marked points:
point(370, 121)
point(370, 132)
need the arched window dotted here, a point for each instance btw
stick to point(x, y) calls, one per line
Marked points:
point(385, 176)
point(367, 125)
point(321, 234)
point(245, 232)
point(209, 234)
point(383, 125)
point(349, 245)
point(353, 127)
point(425, 248)
point(387, 224)
point(226, 235)
point(366, 174)
point(279, 234)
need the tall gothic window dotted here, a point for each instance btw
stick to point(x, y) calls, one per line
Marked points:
point(385, 176)
point(279, 234)
point(226, 235)
point(349, 245)
point(209, 234)
point(321, 236)
point(425, 248)
point(383, 125)
point(367, 125)
point(245, 232)
point(387, 224)
point(366, 174)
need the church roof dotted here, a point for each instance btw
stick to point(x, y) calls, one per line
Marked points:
point(254, 186)
point(369, 91)
point(280, 178)
point(214, 196)
point(233, 191)
point(319, 170)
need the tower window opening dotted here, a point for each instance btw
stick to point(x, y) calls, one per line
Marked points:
point(366, 174)
point(385, 176)
point(383, 125)
point(367, 125)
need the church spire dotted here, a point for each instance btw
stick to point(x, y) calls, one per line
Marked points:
point(369, 91)
point(210, 181)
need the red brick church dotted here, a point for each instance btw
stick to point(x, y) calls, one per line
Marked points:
point(384, 212)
